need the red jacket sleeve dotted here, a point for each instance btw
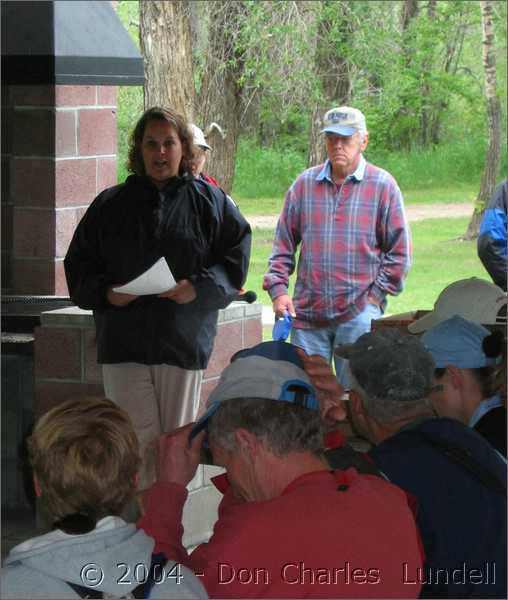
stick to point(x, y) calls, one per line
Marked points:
point(163, 520)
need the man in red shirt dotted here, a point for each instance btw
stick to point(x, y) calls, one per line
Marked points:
point(288, 527)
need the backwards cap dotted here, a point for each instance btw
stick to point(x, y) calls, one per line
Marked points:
point(457, 342)
point(270, 370)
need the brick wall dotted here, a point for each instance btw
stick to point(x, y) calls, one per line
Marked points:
point(59, 152)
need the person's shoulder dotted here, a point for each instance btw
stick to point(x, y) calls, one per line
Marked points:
point(206, 189)
point(379, 175)
point(310, 173)
point(305, 179)
point(437, 439)
point(19, 581)
point(498, 199)
point(111, 195)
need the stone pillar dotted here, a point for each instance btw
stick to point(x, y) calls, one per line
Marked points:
point(61, 154)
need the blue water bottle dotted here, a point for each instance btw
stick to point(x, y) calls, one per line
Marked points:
point(282, 327)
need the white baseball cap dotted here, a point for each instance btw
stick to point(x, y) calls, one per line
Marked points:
point(344, 120)
point(474, 299)
point(199, 137)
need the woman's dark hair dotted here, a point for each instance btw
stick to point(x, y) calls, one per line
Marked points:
point(492, 346)
point(135, 157)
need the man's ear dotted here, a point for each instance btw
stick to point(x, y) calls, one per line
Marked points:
point(248, 444)
point(365, 142)
point(356, 403)
point(455, 376)
point(359, 417)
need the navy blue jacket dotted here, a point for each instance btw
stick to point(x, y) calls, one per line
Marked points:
point(492, 237)
point(461, 513)
point(126, 229)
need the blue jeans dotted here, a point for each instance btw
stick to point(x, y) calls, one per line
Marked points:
point(323, 340)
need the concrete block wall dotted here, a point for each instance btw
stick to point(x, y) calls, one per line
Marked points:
point(58, 153)
point(65, 361)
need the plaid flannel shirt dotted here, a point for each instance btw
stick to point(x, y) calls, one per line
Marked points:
point(355, 244)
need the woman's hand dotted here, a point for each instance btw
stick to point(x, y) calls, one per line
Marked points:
point(182, 293)
point(119, 299)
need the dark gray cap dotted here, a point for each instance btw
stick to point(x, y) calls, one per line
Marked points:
point(390, 365)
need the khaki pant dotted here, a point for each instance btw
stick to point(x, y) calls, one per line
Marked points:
point(158, 399)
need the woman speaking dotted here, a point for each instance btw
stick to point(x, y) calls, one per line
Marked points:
point(153, 348)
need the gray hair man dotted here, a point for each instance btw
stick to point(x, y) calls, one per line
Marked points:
point(288, 526)
point(347, 218)
point(456, 478)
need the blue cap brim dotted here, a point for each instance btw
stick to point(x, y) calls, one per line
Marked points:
point(202, 422)
point(339, 130)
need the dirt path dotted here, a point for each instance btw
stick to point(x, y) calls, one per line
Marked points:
point(416, 212)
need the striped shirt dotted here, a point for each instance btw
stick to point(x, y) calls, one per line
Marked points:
point(355, 244)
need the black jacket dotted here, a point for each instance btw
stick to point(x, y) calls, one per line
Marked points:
point(492, 426)
point(460, 485)
point(126, 229)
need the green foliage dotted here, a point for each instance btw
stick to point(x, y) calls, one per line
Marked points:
point(130, 108)
point(431, 72)
point(448, 172)
point(130, 98)
point(453, 163)
point(265, 172)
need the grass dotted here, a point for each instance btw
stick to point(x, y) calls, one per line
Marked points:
point(460, 192)
point(439, 259)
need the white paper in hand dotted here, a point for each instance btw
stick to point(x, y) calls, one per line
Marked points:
point(157, 279)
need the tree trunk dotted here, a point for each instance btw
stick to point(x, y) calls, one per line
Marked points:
point(492, 157)
point(220, 100)
point(410, 10)
point(428, 111)
point(332, 71)
point(165, 40)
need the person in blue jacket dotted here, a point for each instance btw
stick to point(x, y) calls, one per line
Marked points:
point(492, 237)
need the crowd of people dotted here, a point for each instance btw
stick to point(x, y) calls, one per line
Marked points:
point(303, 514)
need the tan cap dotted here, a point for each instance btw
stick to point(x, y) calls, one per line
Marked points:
point(474, 299)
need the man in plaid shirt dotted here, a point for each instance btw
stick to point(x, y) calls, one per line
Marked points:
point(348, 218)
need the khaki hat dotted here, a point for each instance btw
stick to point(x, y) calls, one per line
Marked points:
point(344, 120)
point(474, 299)
point(199, 137)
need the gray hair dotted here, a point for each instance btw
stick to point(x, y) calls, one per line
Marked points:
point(362, 133)
point(384, 410)
point(283, 427)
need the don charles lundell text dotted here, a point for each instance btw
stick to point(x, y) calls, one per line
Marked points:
point(298, 573)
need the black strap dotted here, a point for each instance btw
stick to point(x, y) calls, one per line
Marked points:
point(346, 456)
point(462, 457)
point(141, 591)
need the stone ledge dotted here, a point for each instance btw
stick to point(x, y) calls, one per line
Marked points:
point(73, 316)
